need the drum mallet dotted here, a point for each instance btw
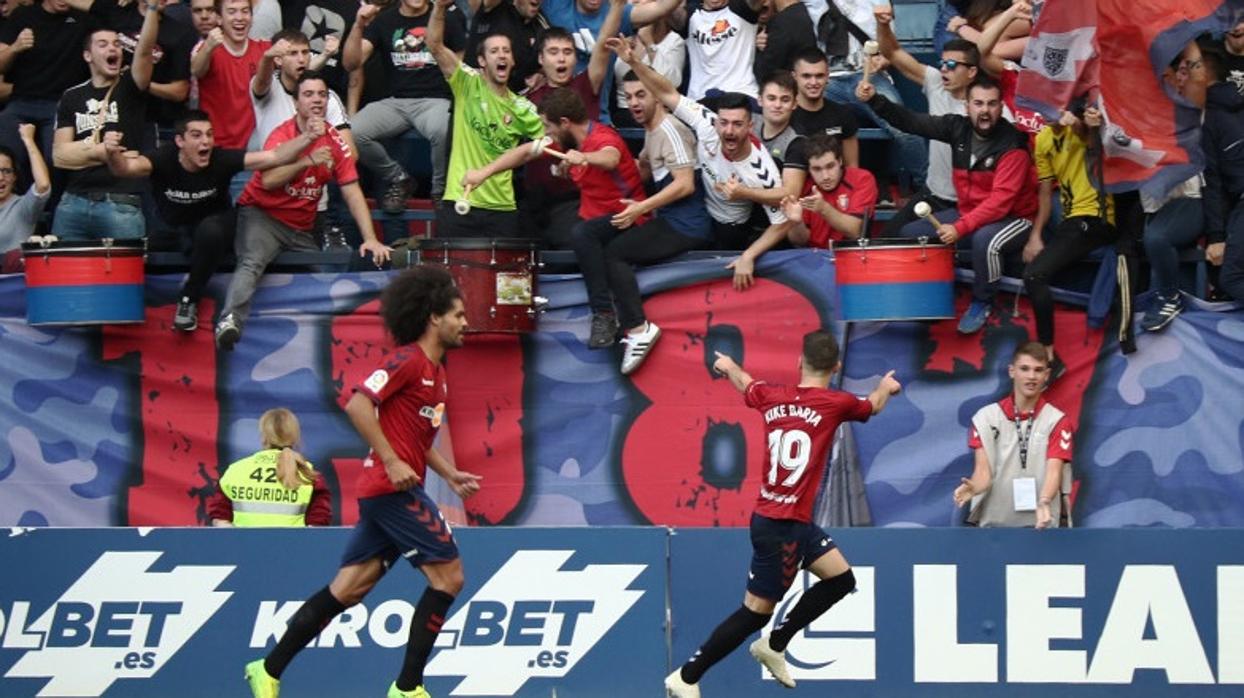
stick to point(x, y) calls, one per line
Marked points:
point(463, 206)
point(871, 48)
point(925, 211)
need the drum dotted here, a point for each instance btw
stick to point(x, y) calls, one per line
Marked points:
point(84, 282)
point(895, 279)
point(497, 279)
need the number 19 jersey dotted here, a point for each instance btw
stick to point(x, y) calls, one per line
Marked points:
point(799, 430)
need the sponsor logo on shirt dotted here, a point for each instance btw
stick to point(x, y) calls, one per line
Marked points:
point(721, 30)
point(433, 414)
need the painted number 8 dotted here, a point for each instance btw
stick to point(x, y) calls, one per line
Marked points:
point(790, 450)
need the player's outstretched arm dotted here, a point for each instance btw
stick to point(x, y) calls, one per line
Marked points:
point(726, 366)
point(881, 395)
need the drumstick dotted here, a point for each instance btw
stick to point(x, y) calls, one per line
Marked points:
point(925, 211)
point(871, 48)
point(554, 153)
point(463, 206)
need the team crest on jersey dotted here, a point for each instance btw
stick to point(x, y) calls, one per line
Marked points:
point(433, 414)
point(377, 380)
point(843, 200)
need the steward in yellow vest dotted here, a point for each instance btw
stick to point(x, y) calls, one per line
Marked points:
point(275, 486)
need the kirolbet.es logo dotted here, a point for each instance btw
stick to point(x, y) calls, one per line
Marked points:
point(532, 619)
point(117, 621)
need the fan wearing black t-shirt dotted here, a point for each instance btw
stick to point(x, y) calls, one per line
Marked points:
point(190, 181)
point(111, 105)
point(420, 99)
point(170, 75)
point(814, 114)
point(40, 48)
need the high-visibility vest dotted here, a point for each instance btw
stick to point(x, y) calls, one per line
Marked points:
point(259, 498)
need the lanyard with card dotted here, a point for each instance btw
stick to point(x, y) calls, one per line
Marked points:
point(1024, 489)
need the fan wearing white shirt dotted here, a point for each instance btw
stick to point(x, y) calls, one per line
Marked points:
point(728, 162)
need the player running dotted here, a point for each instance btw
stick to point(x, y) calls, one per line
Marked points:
point(800, 422)
point(397, 410)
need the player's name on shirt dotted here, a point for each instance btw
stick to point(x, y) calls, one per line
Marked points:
point(778, 498)
point(803, 412)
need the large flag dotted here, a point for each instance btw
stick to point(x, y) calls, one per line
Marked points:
point(1152, 141)
point(1119, 49)
point(1060, 61)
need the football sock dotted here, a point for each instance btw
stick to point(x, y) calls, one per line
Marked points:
point(729, 635)
point(305, 625)
point(424, 627)
point(812, 604)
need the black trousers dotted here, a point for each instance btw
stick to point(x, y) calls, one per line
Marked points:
point(606, 257)
point(1072, 240)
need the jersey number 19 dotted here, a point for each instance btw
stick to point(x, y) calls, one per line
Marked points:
point(789, 450)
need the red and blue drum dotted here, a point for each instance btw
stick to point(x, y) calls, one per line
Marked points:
point(89, 282)
point(895, 279)
point(497, 279)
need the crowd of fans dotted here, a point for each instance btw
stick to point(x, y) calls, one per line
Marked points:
point(750, 110)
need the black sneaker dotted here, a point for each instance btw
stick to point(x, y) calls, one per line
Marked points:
point(186, 318)
point(604, 331)
point(227, 333)
point(394, 200)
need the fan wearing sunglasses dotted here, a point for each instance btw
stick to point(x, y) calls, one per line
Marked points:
point(945, 87)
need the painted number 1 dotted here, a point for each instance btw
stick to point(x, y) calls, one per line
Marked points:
point(789, 450)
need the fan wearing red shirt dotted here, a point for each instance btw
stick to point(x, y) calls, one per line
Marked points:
point(224, 63)
point(277, 208)
point(397, 410)
point(800, 422)
point(836, 202)
point(596, 158)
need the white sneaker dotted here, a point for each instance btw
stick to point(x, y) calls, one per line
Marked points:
point(771, 660)
point(638, 344)
point(675, 687)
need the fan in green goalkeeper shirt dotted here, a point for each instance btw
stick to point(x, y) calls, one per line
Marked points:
point(489, 121)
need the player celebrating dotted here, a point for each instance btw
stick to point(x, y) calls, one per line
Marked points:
point(800, 422)
point(397, 410)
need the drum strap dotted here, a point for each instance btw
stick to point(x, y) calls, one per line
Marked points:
point(103, 112)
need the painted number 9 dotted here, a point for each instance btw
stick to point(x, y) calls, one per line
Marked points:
point(790, 450)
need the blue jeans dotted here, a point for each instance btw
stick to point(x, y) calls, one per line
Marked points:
point(80, 218)
point(945, 11)
point(1173, 227)
point(908, 153)
point(990, 246)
